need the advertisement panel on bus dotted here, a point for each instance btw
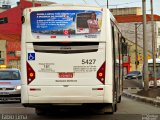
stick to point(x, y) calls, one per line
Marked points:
point(66, 24)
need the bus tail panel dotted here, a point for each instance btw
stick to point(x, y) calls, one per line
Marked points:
point(76, 65)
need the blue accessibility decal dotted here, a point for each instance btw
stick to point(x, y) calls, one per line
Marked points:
point(31, 56)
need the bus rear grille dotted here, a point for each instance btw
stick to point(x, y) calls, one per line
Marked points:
point(65, 48)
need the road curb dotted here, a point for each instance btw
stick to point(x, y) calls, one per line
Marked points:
point(152, 101)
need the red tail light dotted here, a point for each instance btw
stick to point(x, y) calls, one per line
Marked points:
point(101, 73)
point(30, 74)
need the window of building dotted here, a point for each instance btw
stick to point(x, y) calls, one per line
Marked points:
point(3, 20)
point(159, 50)
point(6, 6)
point(1, 62)
point(158, 31)
point(11, 53)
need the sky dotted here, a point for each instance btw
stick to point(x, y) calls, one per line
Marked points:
point(112, 3)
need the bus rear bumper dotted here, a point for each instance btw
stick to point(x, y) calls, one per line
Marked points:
point(58, 95)
point(66, 100)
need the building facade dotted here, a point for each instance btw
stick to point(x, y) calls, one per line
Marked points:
point(2, 52)
point(13, 54)
point(10, 32)
point(127, 11)
point(8, 47)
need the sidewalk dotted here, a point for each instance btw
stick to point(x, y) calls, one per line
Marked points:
point(152, 96)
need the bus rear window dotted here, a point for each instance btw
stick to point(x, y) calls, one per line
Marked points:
point(66, 23)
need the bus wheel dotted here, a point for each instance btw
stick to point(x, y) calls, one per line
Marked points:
point(119, 99)
point(40, 111)
point(110, 108)
point(114, 108)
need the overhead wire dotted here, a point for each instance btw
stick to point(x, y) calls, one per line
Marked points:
point(85, 1)
point(129, 3)
point(97, 3)
point(123, 3)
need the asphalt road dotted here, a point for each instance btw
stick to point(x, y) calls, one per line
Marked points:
point(127, 110)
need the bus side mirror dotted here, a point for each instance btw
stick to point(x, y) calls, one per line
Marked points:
point(124, 49)
point(22, 19)
point(124, 46)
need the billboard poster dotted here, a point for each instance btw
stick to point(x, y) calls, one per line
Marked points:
point(66, 24)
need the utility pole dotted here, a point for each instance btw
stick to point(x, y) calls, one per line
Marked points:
point(7, 2)
point(107, 4)
point(153, 45)
point(136, 56)
point(136, 44)
point(145, 60)
point(4, 2)
point(33, 3)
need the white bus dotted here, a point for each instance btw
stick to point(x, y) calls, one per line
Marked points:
point(151, 72)
point(71, 55)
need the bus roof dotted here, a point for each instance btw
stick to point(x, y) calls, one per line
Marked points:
point(73, 4)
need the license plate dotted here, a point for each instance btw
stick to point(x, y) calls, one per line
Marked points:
point(4, 93)
point(66, 75)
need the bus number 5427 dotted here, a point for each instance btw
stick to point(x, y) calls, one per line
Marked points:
point(88, 61)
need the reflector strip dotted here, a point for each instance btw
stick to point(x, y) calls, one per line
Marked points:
point(97, 88)
point(35, 89)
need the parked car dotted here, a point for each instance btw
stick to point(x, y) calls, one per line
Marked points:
point(10, 85)
point(133, 75)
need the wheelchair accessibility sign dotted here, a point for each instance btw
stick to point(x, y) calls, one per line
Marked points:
point(31, 56)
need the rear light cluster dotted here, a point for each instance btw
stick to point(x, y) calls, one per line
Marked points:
point(101, 73)
point(30, 74)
